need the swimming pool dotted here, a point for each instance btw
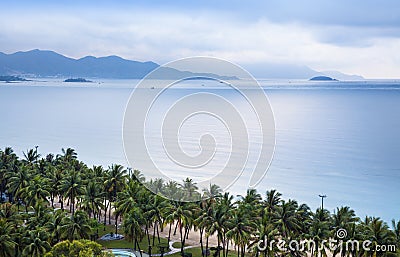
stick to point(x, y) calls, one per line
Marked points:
point(122, 253)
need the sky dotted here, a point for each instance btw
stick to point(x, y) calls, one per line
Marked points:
point(355, 37)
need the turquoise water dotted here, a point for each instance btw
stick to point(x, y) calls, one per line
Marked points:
point(339, 139)
point(120, 253)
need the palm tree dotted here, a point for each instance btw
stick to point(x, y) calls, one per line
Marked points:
point(169, 213)
point(156, 186)
point(76, 226)
point(343, 217)
point(265, 232)
point(212, 192)
point(37, 191)
point(138, 176)
point(9, 213)
point(72, 186)
point(251, 203)
point(318, 231)
point(190, 189)
point(285, 218)
point(172, 191)
point(7, 243)
point(396, 230)
point(219, 216)
point(154, 213)
point(55, 176)
point(68, 155)
point(378, 232)
point(8, 161)
point(18, 181)
point(273, 198)
point(240, 230)
point(198, 223)
point(182, 214)
point(31, 156)
point(53, 226)
point(251, 197)
point(304, 215)
point(37, 244)
point(132, 224)
point(127, 198)
point(92, 199)
point(38, 218)
point(115, 179)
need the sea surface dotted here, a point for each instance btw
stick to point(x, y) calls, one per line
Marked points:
point(340, 139)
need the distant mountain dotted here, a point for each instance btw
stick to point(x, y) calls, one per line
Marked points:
point(51, 64)
point(8, 78)
point(38, 63)
point(292, 71)
point(280, 71)
point(341, 76)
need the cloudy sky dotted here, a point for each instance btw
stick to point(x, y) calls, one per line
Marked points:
point(355, 37)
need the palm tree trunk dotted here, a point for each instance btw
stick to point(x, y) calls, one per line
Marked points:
point(116, 223)
point(147, 232)
point(134, 239)
point(158, 232)
point(206, 245)
point(182, 236)
point(169, 232)
point(201, 242)
point(109, 213)
point(227, 248)
point(175, 229)
point(105, 213)
point(223, 244)
point(186, 235)
point(139, 248)
point(219, 243)
point(52, 200)
point(154, 232)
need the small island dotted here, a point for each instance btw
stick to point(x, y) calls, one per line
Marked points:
point(11, 78)
point(322, 78)
point(77, 80)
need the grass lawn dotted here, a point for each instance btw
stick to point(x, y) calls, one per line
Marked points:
point(125, 243)
point(178, 244)
point(196, 252)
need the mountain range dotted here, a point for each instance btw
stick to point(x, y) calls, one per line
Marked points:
point(40, 63)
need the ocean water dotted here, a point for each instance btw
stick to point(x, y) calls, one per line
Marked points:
point(339, 139)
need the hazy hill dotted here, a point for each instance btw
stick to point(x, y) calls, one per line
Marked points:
point(39, 63)
point(48, 64)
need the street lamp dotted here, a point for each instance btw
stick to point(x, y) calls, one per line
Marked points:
point(36, 153)
point(322, 199)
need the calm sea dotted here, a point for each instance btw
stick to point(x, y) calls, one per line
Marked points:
point(338, 139)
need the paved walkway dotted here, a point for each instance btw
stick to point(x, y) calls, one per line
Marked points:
point(172, 250)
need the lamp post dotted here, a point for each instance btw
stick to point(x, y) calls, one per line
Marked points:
point(36, 153)
point(322, 201)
